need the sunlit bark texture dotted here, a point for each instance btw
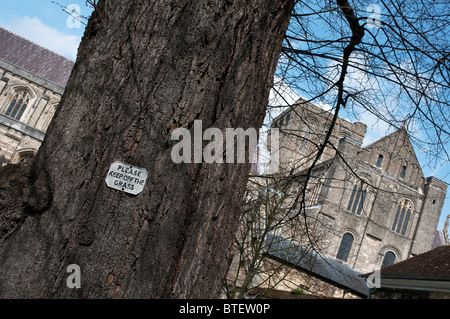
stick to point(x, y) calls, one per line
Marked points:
point(144, 68)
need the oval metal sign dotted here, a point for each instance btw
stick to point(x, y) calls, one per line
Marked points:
point(126, 178)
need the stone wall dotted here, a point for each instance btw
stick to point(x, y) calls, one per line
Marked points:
point(387, 171)
point(22, 137)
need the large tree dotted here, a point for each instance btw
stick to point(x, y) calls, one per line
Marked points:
point(144, 69)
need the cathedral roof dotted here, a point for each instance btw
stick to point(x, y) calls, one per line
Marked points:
point(388, 139)
point(34, 58)
point(399, 144)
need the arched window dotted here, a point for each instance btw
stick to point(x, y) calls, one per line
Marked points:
point(322, 137)
point(305, 140)
point(315, 194)
point(389, 259)
point(18, 105)
point(25, 156)
point(357, 198)
point(345, 247)
point(403, 171)
point(401, 220)
point(379, 160)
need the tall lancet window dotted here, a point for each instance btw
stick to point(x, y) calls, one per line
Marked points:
point(357, 198)
point(345, 247)
point(379, 160)
point(402, 216)
point(305, 140)
point(403, 171)
point(389, 259)
point(18, 105)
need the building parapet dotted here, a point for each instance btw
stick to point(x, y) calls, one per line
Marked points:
point(22, 127)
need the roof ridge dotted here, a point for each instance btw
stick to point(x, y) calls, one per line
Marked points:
point(35, 43)
point(381, 137)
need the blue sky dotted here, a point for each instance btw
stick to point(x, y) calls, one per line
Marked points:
point(45, 23)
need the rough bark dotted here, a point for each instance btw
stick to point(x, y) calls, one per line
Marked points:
point(143, 69)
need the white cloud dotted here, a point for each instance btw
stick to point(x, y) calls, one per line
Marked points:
point(282, 94)
point(35, 30)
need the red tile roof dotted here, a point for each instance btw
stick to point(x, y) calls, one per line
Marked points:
point(34, 58)
point(431, 265)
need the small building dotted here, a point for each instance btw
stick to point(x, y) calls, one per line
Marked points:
point(425, 276)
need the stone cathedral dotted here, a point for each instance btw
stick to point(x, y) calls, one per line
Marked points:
point(374, 201)
point(32, 81)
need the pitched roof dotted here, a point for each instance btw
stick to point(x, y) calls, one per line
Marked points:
point(34, 58)
point(304, 258)
point(401, 135)
point(397, 142)
point(431, 265)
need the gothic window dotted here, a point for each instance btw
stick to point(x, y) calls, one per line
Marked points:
point(315, 194)
point(305, 140)
point(18, 105)
point(345, 247)
point(379, 160)
point(389, 259)
point(323, 137)
point(286, 118)
point(25, 156)
point(403, 171)
point(402, 216)
point(357, 198)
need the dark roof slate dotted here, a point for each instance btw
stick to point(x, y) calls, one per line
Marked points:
point(34, 58)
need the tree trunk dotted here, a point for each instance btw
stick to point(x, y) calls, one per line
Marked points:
point(144, 68)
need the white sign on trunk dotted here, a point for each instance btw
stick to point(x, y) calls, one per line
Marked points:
point(126, 178)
